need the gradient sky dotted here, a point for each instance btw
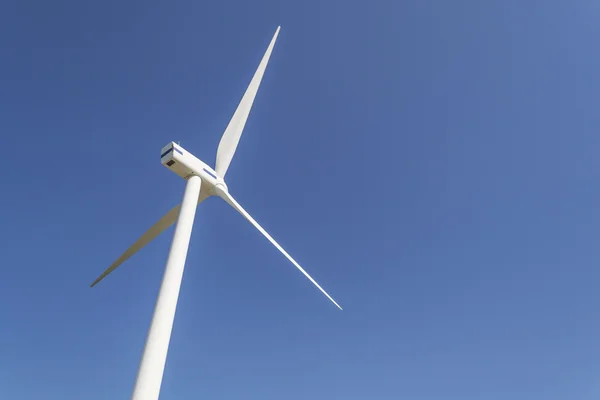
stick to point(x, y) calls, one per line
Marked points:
point(433, 164)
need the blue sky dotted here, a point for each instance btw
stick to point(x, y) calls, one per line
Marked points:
point(433, 164)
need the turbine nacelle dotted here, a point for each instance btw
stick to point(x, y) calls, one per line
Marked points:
point(185, 164)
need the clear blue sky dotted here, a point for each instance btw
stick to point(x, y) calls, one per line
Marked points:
point(434, 164)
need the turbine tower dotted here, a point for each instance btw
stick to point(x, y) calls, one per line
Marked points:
point(202, 182)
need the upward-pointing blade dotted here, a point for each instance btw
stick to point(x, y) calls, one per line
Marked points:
point(233, 132)
point(231, 201)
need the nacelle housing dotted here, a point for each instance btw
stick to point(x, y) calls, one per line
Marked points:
point(185, 164)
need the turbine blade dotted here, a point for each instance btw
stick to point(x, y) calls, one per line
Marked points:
point(233, 132)
point(229, 199)
point(162, 224)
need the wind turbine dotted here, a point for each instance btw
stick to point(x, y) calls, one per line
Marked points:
point(202, 182)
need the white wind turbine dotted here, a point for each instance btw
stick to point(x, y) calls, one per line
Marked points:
point(202, 182)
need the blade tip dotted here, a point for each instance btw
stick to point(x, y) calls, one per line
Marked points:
point(96, 282)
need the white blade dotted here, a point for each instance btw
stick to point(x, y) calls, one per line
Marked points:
point(233, 132)
point(229, 199)
point(166, 221)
